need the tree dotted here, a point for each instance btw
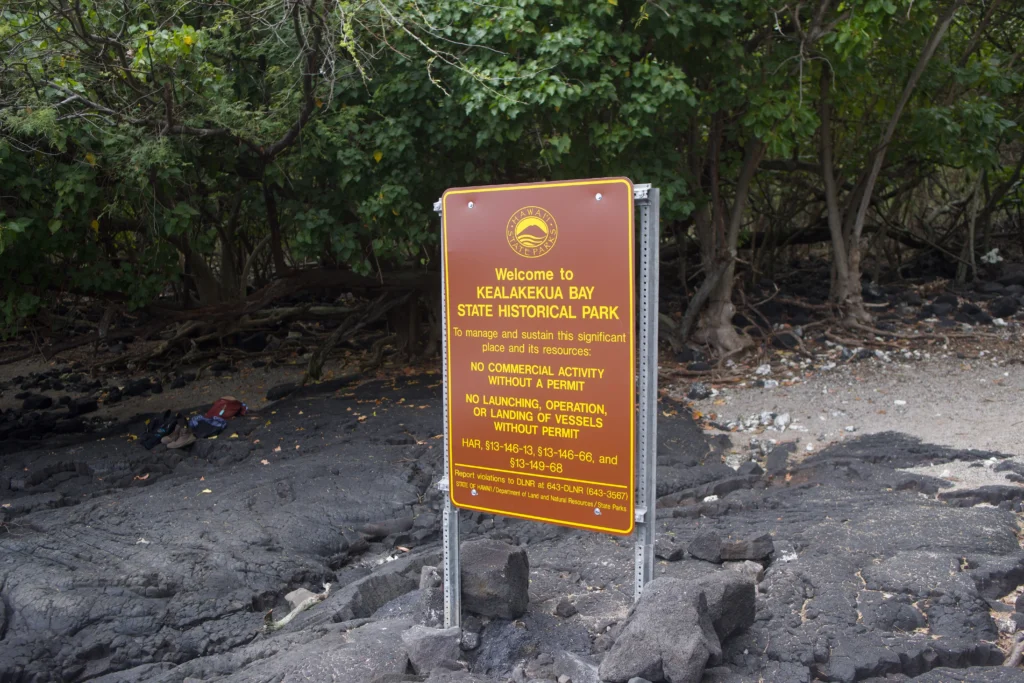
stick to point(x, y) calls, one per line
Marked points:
point(203, 161)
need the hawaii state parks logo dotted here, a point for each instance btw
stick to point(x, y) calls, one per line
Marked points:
point(531, 231)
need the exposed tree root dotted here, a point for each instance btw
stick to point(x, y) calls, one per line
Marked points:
point(377, 352)
point(244, 316)
point(372, 313)
point(269, 625)
point(1017, 653)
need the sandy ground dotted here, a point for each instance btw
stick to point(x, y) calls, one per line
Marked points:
point(966, 404)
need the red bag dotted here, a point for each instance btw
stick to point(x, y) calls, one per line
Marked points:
point(227, 407)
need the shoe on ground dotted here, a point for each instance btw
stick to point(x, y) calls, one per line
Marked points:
point(186, 438)
point(173, 436)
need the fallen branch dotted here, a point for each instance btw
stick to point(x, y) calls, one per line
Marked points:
point(721, 361)
point(1017, 653)
point(841, 340)
point(827, 308)
point(269, 625)
point(696, 374)
point(377, 352)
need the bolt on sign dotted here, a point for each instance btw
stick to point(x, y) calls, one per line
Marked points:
point(540, 335)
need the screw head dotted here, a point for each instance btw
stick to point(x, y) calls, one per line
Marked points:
point(471, 205)
point(599, 196)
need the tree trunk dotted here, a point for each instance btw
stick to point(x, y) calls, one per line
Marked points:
point(967, 254)
point(716, 327)
point(276, 248)
point(840, 264)
point(206, 284)
point(856, 313)
point(229, 266)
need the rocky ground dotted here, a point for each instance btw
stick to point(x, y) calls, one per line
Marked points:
point(121, 564)
point(832, 507)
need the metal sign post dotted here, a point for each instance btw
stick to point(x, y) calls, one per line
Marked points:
point(449, 513)
point(645, 202)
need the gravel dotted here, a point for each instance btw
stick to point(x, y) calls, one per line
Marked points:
point(964, 404)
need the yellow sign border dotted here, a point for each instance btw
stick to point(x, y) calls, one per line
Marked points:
point(632, 348)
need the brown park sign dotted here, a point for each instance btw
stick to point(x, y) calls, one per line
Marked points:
point(539, 293)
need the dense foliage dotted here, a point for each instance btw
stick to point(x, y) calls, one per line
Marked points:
point(206, 149)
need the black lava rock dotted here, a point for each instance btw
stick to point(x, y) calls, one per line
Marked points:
point(495, 579)
point(786, 339)
point(1012, 278)
point(989, 288)
point(698, 366)
point(706, 546)
point(138, 387)
point(983, 318)
point(37, 402)
point(280, 391)
point(759, 548)
point(750, 468)
point(689, 356)
point(178, 383)
point(668, 635)
point(943, 309)
point(254, 343)
point(872, 292)
point(698, 392)
point(566, 609)
point(82, 406)
point(777, 459)
point(1003, 307)
point(75, 425)
point(667, 550)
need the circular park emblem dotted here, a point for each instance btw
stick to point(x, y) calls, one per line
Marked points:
point(531, 231)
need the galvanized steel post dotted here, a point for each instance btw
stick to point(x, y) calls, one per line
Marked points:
point(450, 513)
point(647, 201)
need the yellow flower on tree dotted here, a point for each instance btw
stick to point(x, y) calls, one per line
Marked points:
point(188, 40)
point(95, 225)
